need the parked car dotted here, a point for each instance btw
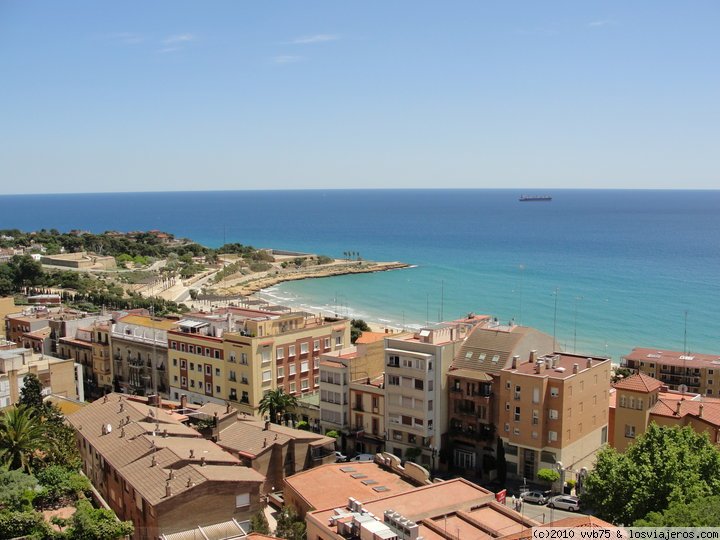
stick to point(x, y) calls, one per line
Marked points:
point(340, 457)
point(565, 502)
point(536, 497)
point(363, 457)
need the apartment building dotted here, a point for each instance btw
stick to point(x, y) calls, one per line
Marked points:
point(697, 373)
point(367, 404)
point(553, 412)
point(57, 376)
point(139, 345)
point(40, 328)
point(338, 369)
point(7, 306)
point(240, 354)
point(416, 390)
point(451, 510)
point(640, 400)
point(157, 472)
point(473, 382)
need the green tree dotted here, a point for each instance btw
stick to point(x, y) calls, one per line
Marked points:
point(411, 454)
point(31, 394)
point(17, 490)
point(88, 523)
point(700, 512)
point(259, 523)
point(357, 327)
point(21, 435)
point(28, 271)
point(620, 373)
point(25, 523)
point(289, 525)
point(665, 464)
point(548, 475)
point(60, 483)
point(275, 403)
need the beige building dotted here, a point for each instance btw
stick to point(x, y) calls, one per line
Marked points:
point(240, 354)
point(553, 412)
point(367, 414)
point(698, 373)
point(139, 346)
point(7, 306)
point(57, 376)
point(640, 400)
point(80, 261)
point(157, 472)
point(416, 391)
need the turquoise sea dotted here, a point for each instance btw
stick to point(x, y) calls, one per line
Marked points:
point(607, 269)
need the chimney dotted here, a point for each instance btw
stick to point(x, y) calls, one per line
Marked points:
point(189, 483)
point(192, 454)
point(153, 463)
point(122, 432)
point(165, 433)
point(122, 407)
point(515, 361)
point(589, 363)
point(202, 461)
point(264, 442)
point(267, 425)
point(548, 364)
point(183, 401)
point(700, 412)
point(168, 489)
point(171, 475)
point(677, 408)
point(538, 366)
point(105, 399)
point(533, 354)
point(575, 369)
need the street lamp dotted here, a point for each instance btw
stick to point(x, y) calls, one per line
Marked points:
point(433, 453)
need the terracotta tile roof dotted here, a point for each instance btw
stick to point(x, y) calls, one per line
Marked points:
point(639, 383)
point(250, 437)
point(347, 480)
point(75, 341)
point(144, 460)
point(470, 374)
point(40, 333)
point(669, 408)
point(574, 521)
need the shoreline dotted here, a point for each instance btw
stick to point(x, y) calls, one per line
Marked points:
point(258, 283)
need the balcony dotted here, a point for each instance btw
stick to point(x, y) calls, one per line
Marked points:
point(358, 407)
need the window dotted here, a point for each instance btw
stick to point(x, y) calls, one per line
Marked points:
point(183, 381)
point(191, 349)
point(316, 363)
point(217, 372)
point(265, 354)
point(516, 431)
point(292, 369)
point(517, 414)
point(216, 353)
point(279, 353)
point(233, 358)
point(535, 417)
point(316, 380)
point(629, 432)
point(208, 388)
point(183, 364)
point(192, 383)
point(192, 366)
point(266, 375)
point(174, 361)
point(243, 358)
point(293, 387)
point(393, 380)
point(173, 345)
point(496, 358)
point(554, 391)
point(623, 401)
point(553, 414)
point(304, 366)
point(536, 395)
point(208, 369)
point(517, 392)
point(242, 500)
point(419, 384)
point(175, 378)
point(207, 352)
point(280, 372)
point(507, 427)
point(304, 385)
point(232, 376)
point(430, 404)
point(291, 351)
point(552, 436)
point(303, 348)
point(316, 345)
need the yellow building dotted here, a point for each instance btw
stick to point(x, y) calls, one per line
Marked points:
point(7, 306)
point(238, 355)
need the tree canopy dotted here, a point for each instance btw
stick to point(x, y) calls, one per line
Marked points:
point(666, 465)
point(275, 403)
point(357, 327)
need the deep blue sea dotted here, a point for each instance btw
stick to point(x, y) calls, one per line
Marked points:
point(627, 265)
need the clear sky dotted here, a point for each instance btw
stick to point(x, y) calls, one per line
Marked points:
point(177, 95)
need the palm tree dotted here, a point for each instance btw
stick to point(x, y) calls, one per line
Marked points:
point(275, 403)
point(21, 435)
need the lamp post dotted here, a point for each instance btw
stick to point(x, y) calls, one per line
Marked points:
point(433, 453)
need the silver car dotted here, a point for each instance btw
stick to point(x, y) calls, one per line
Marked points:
point(565, 502)
point(536, 497)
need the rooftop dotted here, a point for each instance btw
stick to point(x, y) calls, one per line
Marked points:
point(674, 358)
point(360, 480)
point(707, 411)
point(559, 365)
point(639, 383)
point(149, 322)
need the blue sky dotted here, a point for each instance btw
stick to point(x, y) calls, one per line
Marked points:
point(177, 95)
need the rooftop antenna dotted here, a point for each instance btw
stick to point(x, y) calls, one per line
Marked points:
point(556, 293)
point(685, 349)
point(575, 326)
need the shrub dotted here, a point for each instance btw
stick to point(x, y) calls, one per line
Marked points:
point(548, 475)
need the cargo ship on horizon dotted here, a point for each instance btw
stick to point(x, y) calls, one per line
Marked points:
point(527, 198)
